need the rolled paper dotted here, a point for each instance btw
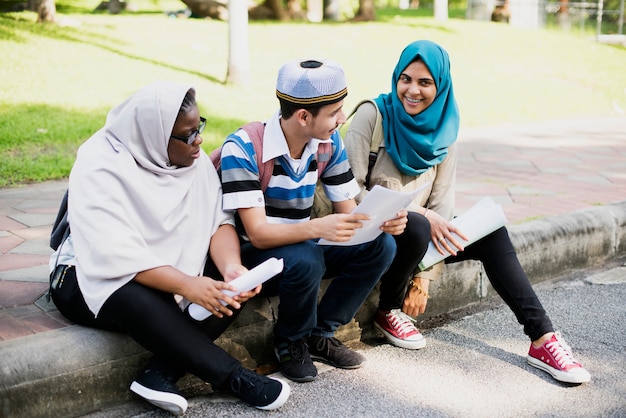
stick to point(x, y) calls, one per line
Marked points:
point(247, 281)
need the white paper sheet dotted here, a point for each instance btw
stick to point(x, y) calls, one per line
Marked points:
point(381, 204)
point(247, 281)
point(480, 220)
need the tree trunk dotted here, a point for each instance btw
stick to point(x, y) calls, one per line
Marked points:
point(238, 51)
point(47, 11)
point(367, 11)
point(278, 9)
point(315, 10)
point(441, 10)
point(331, 10)
point(115, 7)
point(294, 10)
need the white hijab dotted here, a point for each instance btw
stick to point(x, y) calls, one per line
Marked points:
point(129, 211)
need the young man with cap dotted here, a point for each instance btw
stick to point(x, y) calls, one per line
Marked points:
point(277, 223)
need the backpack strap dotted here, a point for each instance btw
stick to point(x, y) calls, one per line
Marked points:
point(255, 132)
point(61, 227)
point(324, 154)
point(376, 141)
point(377, 135)
point(60, 232)
point(216, 158)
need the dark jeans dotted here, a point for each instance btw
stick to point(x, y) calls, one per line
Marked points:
point(496, 253)
point(355, 270)
point(154, 319)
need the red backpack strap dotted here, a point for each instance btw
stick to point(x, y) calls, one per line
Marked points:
point(324, 154)
point(255, 132)
point(216, 158)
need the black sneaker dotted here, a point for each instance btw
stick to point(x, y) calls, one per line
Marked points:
point(260, 391)
point(158, 388)
point(295, 361)
point(332, 351)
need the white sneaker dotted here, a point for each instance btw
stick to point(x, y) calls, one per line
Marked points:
point(158, 389)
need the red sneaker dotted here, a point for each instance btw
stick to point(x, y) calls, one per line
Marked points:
point(398, 329)
point(555, 357)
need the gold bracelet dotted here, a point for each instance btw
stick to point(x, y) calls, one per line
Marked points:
point(421, 291)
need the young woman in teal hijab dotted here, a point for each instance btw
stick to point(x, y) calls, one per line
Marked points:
point(407, 139)
point(417, 142)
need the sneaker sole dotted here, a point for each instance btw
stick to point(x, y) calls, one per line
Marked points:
point(282, 397)
point(410, 345)
point(337, 365)
point(303, 379)
point(170, 402)
point(566, 377)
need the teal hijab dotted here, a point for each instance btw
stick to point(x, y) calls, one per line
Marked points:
point(416, 143)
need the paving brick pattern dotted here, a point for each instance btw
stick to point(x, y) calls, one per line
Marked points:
point(533, 171)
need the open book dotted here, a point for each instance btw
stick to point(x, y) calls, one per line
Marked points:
point(247, 281)
point(480, 220)
point(381, 204)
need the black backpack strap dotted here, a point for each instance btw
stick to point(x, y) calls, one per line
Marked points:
point(60, 232)
point(61, 226)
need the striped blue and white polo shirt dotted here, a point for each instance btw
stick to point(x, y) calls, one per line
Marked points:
point(289, 194)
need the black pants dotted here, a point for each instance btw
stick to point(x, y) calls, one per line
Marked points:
point(500, 262)
point(411, 246)
point(154, 319)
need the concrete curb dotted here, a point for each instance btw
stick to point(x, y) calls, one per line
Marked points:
point(76, 370)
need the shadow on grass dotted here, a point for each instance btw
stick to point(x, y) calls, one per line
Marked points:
point(14, 27)
point(48, 149)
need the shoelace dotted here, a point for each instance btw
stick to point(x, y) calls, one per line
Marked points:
point(296, 349)
point(401, 321)
point(334, 341)
point(323, 344)
point(562, 352)
point(249, 379)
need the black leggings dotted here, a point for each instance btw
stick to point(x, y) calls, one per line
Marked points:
point(154, 319)
point(411, 246)
point(496, 253)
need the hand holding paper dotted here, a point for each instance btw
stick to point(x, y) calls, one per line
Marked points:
point(480, 220)
point(247, 281)
point(380, 204)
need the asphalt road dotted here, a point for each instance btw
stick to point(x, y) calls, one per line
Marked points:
point(473, 366)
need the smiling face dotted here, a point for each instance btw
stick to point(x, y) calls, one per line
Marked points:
point(328, 118)
point(416, 88)
point(180, 153)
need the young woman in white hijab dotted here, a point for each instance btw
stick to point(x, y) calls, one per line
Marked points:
point(147, 228)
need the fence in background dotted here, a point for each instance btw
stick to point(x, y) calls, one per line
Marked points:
point(586, 18)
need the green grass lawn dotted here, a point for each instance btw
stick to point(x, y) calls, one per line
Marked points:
point(58, 82)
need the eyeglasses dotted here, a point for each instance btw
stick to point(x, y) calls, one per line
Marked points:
point(189, 139)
